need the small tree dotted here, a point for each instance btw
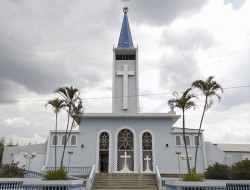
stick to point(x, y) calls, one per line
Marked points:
point(60, 174)
point(2, 144)
point(11, 171)
point(184, 102)
point(241, 170)
point(217, 171)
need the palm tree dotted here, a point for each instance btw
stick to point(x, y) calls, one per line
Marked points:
point(70, 96)
point(76, 116)
point(57, 105)
point(184, 103)
point(209, 89)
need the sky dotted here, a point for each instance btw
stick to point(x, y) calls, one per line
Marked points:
point(45, 44)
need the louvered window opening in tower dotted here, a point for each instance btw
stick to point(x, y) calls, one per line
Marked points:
point(125, 57)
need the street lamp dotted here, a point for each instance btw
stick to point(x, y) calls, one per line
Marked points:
point(185, 157)
point(178, 154)
point(29, 156)
point(70, 154)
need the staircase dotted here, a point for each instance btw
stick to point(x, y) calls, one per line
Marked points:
point(125, 181)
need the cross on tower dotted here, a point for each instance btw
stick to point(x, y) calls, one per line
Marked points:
point(125, 73)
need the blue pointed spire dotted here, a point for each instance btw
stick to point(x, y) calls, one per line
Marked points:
point(125, 39)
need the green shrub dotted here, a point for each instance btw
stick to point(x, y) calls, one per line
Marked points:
point(241, 170)
point(60, 174)
point(11, 171)
point(193, 176)
point(217, 171)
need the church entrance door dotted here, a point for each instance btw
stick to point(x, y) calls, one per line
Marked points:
point(103, 152)
point(104, 161)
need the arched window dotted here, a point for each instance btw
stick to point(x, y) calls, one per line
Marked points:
point(125, 151)
point(187, 140)
point(104, 141)
point(63, 139)
point(178, 140)
point(73, 140)
point(147, 154)
point(196, 140)
point(55, 140)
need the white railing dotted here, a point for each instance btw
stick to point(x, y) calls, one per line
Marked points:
point(73, 170)
point(158, 177)
point(11, 183)
point(183, 185)
point(91, 178)
point(37, 184)
point(33, 174)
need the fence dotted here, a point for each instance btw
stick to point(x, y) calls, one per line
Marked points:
point(34, 181)
point(74, 170)
point(166, 184)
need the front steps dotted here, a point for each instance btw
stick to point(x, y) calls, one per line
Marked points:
point(125, 181)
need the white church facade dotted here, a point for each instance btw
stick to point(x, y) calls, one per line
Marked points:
point(124, 141)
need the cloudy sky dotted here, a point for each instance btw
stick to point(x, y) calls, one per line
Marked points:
point(45, 44)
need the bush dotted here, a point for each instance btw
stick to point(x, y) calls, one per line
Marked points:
point(11, 171)
point(193, 176)
point(60, 174)
point(241, 170)
point(217, 171)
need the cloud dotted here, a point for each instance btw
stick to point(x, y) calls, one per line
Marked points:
point(178, 71)
point(192, 38)
point(164, 12)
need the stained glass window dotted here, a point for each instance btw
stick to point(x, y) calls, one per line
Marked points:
point(104, 141)
point(125, 140)
point(146, 141)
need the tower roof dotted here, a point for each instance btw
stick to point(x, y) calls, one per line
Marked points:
point(125, 39)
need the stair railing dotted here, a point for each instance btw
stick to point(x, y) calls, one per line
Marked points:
point(158, 177)
point(91, 178)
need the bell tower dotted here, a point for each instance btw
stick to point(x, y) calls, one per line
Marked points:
point(125, 72)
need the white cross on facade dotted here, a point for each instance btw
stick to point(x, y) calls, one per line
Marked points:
point(125, 73)
point(147, 159)
point(125, 156)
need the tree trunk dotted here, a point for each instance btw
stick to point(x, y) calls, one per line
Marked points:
point(184, 139)
point(66, 133)
point(56, 142)
point(199, 133)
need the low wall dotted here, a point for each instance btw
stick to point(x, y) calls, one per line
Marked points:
point(35, 184)
point(211, 185)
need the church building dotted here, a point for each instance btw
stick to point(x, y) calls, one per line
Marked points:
point(124, 141)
